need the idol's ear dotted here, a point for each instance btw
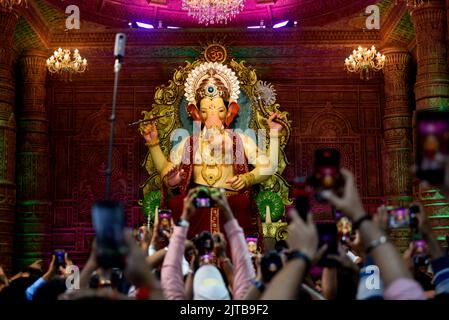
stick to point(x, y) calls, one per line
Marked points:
point(233, 110)
point(193, 112)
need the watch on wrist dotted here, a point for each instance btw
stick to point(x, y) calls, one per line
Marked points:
point(182, 223)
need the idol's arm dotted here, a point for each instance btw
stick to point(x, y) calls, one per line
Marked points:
point(161, 163)
point(265, 163)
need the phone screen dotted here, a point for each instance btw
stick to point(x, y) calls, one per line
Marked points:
point(420, 248)
point(414, 210)
point(251, 242)
point(398, 217)
point(60, 257)
point(302, 205)
point(327, 234)
point(202, 202)
point(432, 129)
point(344, 226)
point(109, 222)
point(327, 168)
point(164, 216)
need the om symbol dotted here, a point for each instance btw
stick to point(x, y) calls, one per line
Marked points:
point(215, 53)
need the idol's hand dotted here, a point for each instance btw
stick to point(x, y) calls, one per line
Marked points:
point(174, 177)
point(271, 121)
point(149, 132)
point(236, 182)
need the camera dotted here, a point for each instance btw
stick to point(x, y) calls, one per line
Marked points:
point(202, 198)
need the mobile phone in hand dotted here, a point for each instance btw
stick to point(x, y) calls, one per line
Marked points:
point(109, 223)
point(414, 222)
point(344, 226)
point(327, 234)
point(326, 173)
point(60, 258)
point(432, 129)
point(398, 217)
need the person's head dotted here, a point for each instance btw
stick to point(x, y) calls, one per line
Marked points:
point(204, 243)
point(208, 284)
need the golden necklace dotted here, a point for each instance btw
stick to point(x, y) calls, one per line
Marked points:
point(211, 171)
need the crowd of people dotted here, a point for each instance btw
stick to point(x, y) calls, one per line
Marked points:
point(167, 265)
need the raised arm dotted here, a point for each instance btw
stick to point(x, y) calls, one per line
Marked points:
point(393, 270)
point(243, 269)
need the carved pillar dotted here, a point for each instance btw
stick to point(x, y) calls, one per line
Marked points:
point(8, 21)
point(432, 88)
point(32, 171)
point(432, 81)
point(397, 124)
point(398, 147)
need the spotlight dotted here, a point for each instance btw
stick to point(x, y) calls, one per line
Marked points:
point(144, 25)
point(280, 24)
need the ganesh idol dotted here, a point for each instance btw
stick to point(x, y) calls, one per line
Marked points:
point(214, 156)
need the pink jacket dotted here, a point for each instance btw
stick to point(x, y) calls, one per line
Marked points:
point(172, 280)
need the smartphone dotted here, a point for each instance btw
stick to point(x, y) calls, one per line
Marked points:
point(108, 219)
point(398, 217)
point(60, 258)
point(302, 205)
point(413, 211)
point(164, 216)
point(202, 198)
point(327, 234)
point(420, 248)
point(326, 173)
point(432, 128)
point(344, 226)
point(270, 264)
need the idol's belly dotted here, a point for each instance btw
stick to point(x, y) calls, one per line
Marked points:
point(213, 176)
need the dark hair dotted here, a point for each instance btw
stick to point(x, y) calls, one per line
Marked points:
point(204, 243)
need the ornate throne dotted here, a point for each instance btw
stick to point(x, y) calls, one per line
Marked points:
point(257, 99)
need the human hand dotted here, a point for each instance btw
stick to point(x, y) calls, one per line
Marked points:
point(219, 245)
point(349, 202)
point(52, 270)
point(137, 271)
point(302, 235)
point(343, 259)
point(356, 245)
point(381, 218)
point(63, 271)
point(188, 208)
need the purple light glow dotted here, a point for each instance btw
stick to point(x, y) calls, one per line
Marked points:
point(280, 24)
point(144, 25)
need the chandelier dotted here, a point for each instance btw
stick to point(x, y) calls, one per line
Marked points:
point(413, 4)
point(9, 4)
point(61, 63)
point(213, 11)
point(364, 60)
